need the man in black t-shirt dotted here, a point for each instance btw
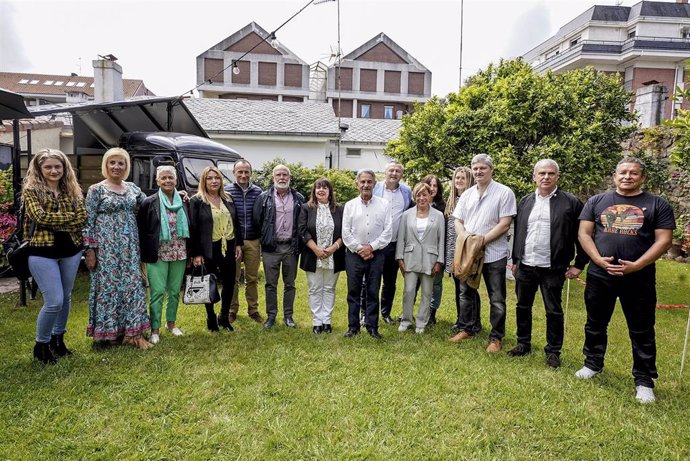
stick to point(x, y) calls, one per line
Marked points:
point(624, 232)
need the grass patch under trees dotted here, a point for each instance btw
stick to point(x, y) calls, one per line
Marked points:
point(284, 394)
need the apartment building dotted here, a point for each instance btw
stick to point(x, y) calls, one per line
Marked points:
point(647, 44)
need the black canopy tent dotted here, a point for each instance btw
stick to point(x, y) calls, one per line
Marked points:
point(12, 107)
point(98, 126)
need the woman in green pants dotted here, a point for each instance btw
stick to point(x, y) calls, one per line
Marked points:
point(163, 222)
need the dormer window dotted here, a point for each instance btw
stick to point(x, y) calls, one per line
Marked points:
point(685, 31)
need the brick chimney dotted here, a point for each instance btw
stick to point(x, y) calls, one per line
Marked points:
point(681, 1)
point(107, 80)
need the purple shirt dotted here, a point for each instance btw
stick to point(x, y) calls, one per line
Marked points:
point(284, 215)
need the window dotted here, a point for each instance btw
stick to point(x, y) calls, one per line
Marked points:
point(33, 82)
point(23, 81)
point(143, 174)
point(685, 32)
point(48, 82)
point(93, 85)
point(58, 83)
point(388, 112)
point(365, 111)
point(355, 153)
point(71, 83)
point(81, 84)
point(631, 33)
point(226, 169)
point(575, 41)
point(192, 169)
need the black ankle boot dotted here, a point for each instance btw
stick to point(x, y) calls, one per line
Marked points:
point(42, 353)
point(432, 318)
point(212, 323)
point(224, 322)
point(58, 347)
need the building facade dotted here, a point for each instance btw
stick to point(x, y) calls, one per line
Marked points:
point(378, 80)
point(269, 72)
point(647, 44)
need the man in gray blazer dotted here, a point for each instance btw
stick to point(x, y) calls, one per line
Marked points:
point(420, 254)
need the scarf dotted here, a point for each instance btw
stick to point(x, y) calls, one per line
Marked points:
point(175, 207)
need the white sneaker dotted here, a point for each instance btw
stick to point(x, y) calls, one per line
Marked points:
point(645, 394)
point(176, 332)
point(586, 373)
point(419, 331)
point(404, 326)
point(155, 338)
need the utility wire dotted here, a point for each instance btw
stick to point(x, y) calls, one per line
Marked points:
point(233, 63)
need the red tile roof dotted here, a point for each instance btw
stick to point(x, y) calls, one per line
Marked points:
point(50, 84)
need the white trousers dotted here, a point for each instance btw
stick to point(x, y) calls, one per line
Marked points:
point(427, 286)
point(322, 294)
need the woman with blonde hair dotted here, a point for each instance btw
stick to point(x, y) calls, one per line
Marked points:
point(55, 216)
point(419, 252)
point(117, 303)
point(215, 240)
point(462, 180)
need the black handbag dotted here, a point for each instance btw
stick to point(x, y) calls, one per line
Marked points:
point(201, 288)
point(17, 248)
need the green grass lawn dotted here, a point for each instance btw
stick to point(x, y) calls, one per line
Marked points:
point(285, 394)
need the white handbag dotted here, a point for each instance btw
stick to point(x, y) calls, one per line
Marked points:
point(200, 288)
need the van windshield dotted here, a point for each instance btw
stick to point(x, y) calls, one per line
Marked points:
point(193, 168)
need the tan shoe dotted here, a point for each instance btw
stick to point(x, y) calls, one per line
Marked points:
point(137, 341)
point(494, 346)
point(463, 335)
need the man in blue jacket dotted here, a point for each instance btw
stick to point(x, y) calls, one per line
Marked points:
point(545, 243)
point(399, 197)
point(276, 212)
point(244, 193)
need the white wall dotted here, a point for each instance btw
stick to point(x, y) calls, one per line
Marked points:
point(655, 29)
point(371, 157)
point(611, 34)
point(260, 151)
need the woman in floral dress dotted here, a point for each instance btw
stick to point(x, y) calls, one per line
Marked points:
point(117, 303)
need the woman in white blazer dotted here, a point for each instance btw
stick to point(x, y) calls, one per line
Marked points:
point(420, 254)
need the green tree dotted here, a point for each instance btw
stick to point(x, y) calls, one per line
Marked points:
point(516, 115)
point(680, 129)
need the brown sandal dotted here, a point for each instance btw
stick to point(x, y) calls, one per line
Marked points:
point(137, 341)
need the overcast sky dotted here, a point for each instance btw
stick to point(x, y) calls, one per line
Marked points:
point(158, 40)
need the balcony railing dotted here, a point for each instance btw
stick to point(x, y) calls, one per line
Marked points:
point(616, 47)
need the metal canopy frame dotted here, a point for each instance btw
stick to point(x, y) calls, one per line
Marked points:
point(99, 126)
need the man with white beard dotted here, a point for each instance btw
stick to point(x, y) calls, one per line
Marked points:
point(276, 212)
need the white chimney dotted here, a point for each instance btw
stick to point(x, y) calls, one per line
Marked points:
point(107, 76)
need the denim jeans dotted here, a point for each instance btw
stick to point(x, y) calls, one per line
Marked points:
point(637, 294)
point(437, 291)
point(550, 282)
point(55, 279)
point(494, 276)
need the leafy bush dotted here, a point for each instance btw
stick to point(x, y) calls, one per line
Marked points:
point(8, 220)
point(303, 178)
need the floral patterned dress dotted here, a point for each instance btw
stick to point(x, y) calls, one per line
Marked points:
point(117, 303)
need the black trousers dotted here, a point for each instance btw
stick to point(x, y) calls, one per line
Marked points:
point(637, 294)
point(224, 267)
point(358, 269)
point(389, 277)
point(550, 282)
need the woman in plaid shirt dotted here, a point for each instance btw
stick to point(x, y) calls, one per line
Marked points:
point(55, 216)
